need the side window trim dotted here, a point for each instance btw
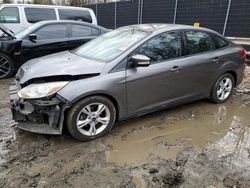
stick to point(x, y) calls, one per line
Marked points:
point(183, 43)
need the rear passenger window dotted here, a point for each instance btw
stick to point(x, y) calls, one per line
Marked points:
point(9, 15)
point(79, 15)
point(57, 31)
point(221, 42)
point(162, 47)
point(83, 31)
point(198, 42)
point(34, 15)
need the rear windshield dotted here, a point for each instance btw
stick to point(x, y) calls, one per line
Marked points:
point(34, 15)
point(79, 15)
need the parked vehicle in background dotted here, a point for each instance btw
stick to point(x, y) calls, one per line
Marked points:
point(41, 39)
point(124, 73)
point(17, 17)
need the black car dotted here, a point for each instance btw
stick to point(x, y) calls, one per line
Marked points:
point(41, 39)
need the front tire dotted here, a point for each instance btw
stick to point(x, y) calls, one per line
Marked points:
point(6, 66)
point(91, 118)
point(222, 89)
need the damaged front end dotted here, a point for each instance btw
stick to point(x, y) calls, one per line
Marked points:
point(44, 116)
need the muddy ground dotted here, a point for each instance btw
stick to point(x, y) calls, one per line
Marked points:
point(194, 145)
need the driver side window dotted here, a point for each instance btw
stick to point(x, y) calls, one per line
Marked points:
point(162, 47)
point(57, 31)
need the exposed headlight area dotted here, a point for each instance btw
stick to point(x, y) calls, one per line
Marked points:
point(37, 107)
point(36, 91)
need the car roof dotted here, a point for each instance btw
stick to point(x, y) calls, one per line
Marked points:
point(44, 6)
point(69, 22)
point(155, 27)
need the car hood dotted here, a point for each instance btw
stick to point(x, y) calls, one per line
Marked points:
point(59, 64)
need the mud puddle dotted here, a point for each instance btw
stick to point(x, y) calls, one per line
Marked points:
point(167, 133)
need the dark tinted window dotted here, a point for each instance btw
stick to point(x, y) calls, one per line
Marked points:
point(34, 15)
point(9, 15)
point(52, 32)
point(162, 47)
point(83, 31)
point(198, 42)
point(80, 15)
point(221, 42)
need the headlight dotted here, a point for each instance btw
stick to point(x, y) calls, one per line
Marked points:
point(35, 91)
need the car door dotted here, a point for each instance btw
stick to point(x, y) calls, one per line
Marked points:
point(161, 82)
point(81, 34)
point(51, 38)
point(203, 61)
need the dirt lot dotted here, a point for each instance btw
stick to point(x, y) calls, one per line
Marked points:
point(194, 145)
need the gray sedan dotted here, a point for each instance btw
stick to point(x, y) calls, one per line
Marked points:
point(125, 73)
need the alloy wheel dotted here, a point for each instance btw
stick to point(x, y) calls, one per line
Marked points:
point(224, 89)
point(5, 67)
point(93, 119)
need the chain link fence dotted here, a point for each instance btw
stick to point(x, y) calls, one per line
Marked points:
point(228, 17)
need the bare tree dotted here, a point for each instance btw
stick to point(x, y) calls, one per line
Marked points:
point(44, 2)
point(7, 1)
point(87, 2)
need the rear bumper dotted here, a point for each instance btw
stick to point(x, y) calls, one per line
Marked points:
point(44, 116)
point(240, 74)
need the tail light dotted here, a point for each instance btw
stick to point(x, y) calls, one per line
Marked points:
point(243, 53)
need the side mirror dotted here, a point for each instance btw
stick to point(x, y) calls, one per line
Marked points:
point(140, 61)
point(32, 37)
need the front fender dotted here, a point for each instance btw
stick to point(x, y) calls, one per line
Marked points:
point(111, 85)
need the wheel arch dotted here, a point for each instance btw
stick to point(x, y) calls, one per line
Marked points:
point(234, 74)
point(110, 97)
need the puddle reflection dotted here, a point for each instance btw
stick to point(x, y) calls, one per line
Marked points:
point(166, 133)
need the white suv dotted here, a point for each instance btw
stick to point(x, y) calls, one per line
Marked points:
point(17, 17)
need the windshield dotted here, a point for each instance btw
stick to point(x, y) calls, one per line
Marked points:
point(23, 33)
point(110, 45)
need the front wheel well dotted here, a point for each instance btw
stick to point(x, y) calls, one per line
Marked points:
point(112, 99)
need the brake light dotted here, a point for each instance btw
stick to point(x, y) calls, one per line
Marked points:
point(243, 53)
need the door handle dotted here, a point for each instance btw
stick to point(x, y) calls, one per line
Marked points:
point(175, 69)
point(216, 60)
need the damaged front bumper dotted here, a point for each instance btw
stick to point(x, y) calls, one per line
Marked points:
point(44, 116)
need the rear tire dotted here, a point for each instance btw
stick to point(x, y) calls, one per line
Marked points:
point(91, 118)
point(222, 89)
point(6, 66)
